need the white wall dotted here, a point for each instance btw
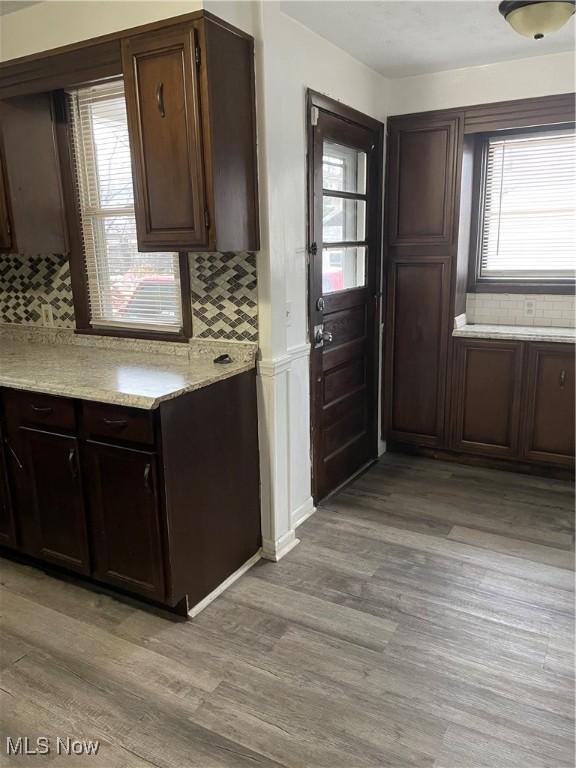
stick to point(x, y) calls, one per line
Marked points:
point(289, 59)
point(51, 24)
point(520, 79)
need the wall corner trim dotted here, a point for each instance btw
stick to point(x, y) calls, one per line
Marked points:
point(276, 550)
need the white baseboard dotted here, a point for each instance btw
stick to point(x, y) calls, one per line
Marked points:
point(303, 512)
point(275, 550)
point(196, 609)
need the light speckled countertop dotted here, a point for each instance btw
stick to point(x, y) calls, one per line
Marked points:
point(516, 332)
point(122, 376)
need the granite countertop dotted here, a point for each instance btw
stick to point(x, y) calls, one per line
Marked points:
point(122, 376)
point(516, 332)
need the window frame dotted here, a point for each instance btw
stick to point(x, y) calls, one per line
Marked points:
point(79, 283)
point(477, 283)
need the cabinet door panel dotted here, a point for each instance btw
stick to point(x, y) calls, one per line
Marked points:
point(419, 300)
point(5, 217)
point(125, 518)
point(32, 167)
point(52, 463)
point(7, 528)
point(421, 182)
point(549, 416)
point(164, 124)
point(487, 397)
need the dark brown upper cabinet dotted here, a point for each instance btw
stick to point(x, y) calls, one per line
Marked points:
point(190, 101)
point(5, 212)
point(422, 181)
point(32, 218)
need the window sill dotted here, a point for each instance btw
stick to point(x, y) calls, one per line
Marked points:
point(567, 288)
point(133, 334)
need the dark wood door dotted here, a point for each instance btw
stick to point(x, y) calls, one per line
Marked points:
point(345, 157)
point(53, 467)
point(125, 518)
point(549, 404)
point(161, 80)
point(486, 396)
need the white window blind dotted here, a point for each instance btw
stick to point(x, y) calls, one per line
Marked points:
point(126, 288)
point(529, 216)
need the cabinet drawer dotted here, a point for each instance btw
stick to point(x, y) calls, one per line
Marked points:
point(115, 422)
point(41, 410)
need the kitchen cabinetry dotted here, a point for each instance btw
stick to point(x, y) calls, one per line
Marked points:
point(162, 504)
point(488, 378)
point(52, 462)
point(190, 100)
point(5, 213)
point(7, 533)
point(123, 488)
point(32, 217)
point(548, 434)
point(423, 169)
point(514, 399)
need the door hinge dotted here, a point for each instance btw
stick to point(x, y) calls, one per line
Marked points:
point(206, 218)
point(313, 249)
point(197, 55)
point(314, 115)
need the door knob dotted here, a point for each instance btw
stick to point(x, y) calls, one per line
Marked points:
point(321, 336)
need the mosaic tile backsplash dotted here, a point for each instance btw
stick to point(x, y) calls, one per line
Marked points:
point(28, 282)
point(224, 296)
point(223, 287)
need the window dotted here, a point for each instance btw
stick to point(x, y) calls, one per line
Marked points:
point(126, 289)
point(527, 218)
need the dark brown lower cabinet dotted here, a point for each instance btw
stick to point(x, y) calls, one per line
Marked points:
point(162, 504)
point(513, 399)
point(122, 488)
point(7, 530)
point(53, 466)
point(486, 396)
point(548, 434)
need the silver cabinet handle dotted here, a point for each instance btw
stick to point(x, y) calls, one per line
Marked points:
point(147, 470)
point(562, 379)
point(13, 454)
point(160, 99)
point(72, 463)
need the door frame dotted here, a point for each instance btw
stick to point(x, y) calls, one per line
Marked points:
point(316, 100)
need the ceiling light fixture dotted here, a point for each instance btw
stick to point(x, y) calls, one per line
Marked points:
point(537, 18)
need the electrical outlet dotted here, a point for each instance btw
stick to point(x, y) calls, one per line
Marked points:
point(529, 307)
point(47, 316)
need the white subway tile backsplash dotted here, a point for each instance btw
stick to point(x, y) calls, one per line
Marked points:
point(511, 309)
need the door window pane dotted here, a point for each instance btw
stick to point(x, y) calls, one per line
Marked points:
point(343, 168)
point(343, 220)
point(343, 268)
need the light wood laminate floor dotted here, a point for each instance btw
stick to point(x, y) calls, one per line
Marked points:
point(426, 619)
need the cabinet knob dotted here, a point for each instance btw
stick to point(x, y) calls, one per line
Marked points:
point(160, 99)
point(562, 378)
